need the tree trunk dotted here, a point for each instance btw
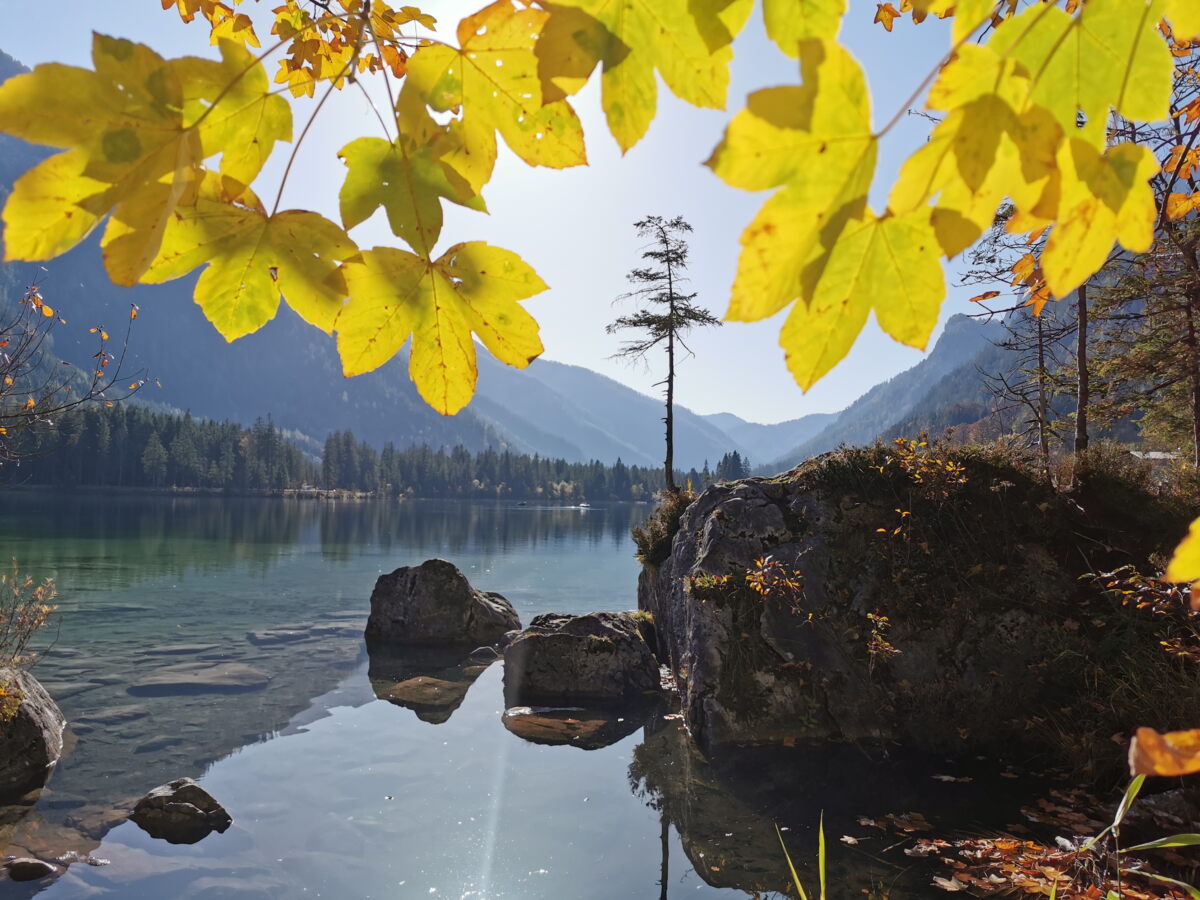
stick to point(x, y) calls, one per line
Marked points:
point(1043, 401)
point(1194, 376)
point(1083, 388)
point(1081, 363)
point(670, 417)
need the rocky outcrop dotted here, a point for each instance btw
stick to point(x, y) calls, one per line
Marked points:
point(877, 595)
point(599, 658)
point(180, 812)
point(31, 741)
point(433, 603)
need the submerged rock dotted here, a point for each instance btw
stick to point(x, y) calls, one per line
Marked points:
point(433, 603)
point(598, 658)
point(588, 729)
point(31, 742)
point(24, 868)
point(180, 812)
point(201, 677)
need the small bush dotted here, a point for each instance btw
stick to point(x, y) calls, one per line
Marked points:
point(654, 536)
point(25, 607)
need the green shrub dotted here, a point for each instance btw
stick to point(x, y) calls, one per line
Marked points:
point(653, 537)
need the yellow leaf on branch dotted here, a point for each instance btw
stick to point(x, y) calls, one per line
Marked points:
point(1103, 198)
point(889, 264)
point(493, 78)
point(130, 149)
point(686, 42)
point(791, 21)
point(471, 288)
point(1109, 55)
point(253, 259)
point(814, 141)
point(408, 178)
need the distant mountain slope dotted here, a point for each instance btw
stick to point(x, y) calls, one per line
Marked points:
point(948, 368)
point(559, 409)
point(769, 442)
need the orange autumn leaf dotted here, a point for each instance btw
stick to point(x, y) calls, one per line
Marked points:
point(1171, 753)
point(986, 295)
point(885, 15)
point(1181, 205)
point(29, 403)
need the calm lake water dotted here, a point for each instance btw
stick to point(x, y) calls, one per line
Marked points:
point(336, 793)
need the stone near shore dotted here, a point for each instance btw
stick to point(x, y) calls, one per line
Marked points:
point(180, 812)
point(196, 678)
point(31, 742)
point(433, 603)
point(594, 659)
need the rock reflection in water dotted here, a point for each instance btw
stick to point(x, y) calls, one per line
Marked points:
point(431, 681)
point(588, 729)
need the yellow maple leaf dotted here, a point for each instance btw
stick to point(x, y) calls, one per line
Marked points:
point(1091, 61)
point(130, 148)
point(472, 287)
point(791, 21)
point(253, 259)
point(1185, 18)
point(814, 141)
point(247, 119)
point(408, 178)
point(493, 78)
point(1103, 198)
point(888, 264)
point(685, 41)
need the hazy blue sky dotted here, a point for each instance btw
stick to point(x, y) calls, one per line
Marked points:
point(575, 226)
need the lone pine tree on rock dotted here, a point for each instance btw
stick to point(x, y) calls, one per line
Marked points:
point(667, 314)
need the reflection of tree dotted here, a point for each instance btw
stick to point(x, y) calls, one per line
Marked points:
point(729, 844)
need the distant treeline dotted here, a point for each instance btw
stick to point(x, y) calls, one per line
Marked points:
point(132, 446)
point(128, 445)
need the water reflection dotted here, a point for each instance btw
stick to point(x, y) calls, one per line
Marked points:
point(431, 681)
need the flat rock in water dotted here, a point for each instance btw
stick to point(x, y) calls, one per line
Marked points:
point(274, 636)
point(27, 869)
point(180, 649)
point(191, 678)
point(113, 715)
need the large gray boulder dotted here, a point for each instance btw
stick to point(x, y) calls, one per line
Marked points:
point(180, 812)
point(599, 658)
point(31, 740)
point(909, 601)
point(433, 603)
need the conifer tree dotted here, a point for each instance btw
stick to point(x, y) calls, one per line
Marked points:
point(666, 314)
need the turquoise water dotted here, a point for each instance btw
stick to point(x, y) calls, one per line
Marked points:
point(338, 794)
